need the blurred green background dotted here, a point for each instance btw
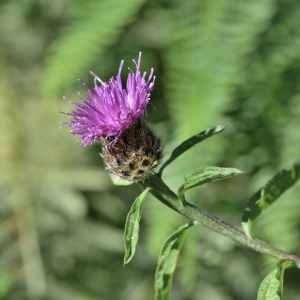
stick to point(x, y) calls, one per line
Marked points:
point(231, 62)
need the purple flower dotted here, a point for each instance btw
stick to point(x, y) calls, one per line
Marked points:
point(111, 107)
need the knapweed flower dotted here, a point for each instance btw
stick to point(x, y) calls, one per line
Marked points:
point(112, 115)
point(111, 107)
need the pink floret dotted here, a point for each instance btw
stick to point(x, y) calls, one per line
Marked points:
point(110, 107)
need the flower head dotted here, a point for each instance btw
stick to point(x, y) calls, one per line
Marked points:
point(134, 154)
point(110, 107)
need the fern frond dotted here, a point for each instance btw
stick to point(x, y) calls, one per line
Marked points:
point(89, 36)
point(207, 56)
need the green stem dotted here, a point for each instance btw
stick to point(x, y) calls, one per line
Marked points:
point(163, 193)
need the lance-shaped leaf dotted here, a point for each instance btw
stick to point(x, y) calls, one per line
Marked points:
point(209, 174)
point(272, 286)
point(267, 195)
point(132, 226)
point(167, 262)
point(189, 143)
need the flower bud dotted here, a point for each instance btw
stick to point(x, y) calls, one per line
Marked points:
point(134, 155)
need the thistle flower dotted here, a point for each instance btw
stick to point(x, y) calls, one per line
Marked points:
point(112, 115)
point(110, 108)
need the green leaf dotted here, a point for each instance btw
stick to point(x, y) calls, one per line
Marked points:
point(167, 262)
point(272, 286)
point(189, 143)
point(209, 174)
point(132, 226)
point(267, 195)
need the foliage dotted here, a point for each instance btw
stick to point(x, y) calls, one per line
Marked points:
point(98, 24)
point(229, 62)
point(189, 143)
point(268, 194)
point(132, 225)
point(271, 286)
point(167, 262)
point(209, 174)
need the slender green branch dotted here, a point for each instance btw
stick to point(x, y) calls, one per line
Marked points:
point(163, 193)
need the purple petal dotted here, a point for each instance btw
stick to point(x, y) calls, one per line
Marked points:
point(110, 108)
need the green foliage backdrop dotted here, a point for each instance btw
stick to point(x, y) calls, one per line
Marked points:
point(233, 62)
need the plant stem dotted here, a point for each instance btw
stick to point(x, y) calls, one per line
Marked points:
point(163, 193)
